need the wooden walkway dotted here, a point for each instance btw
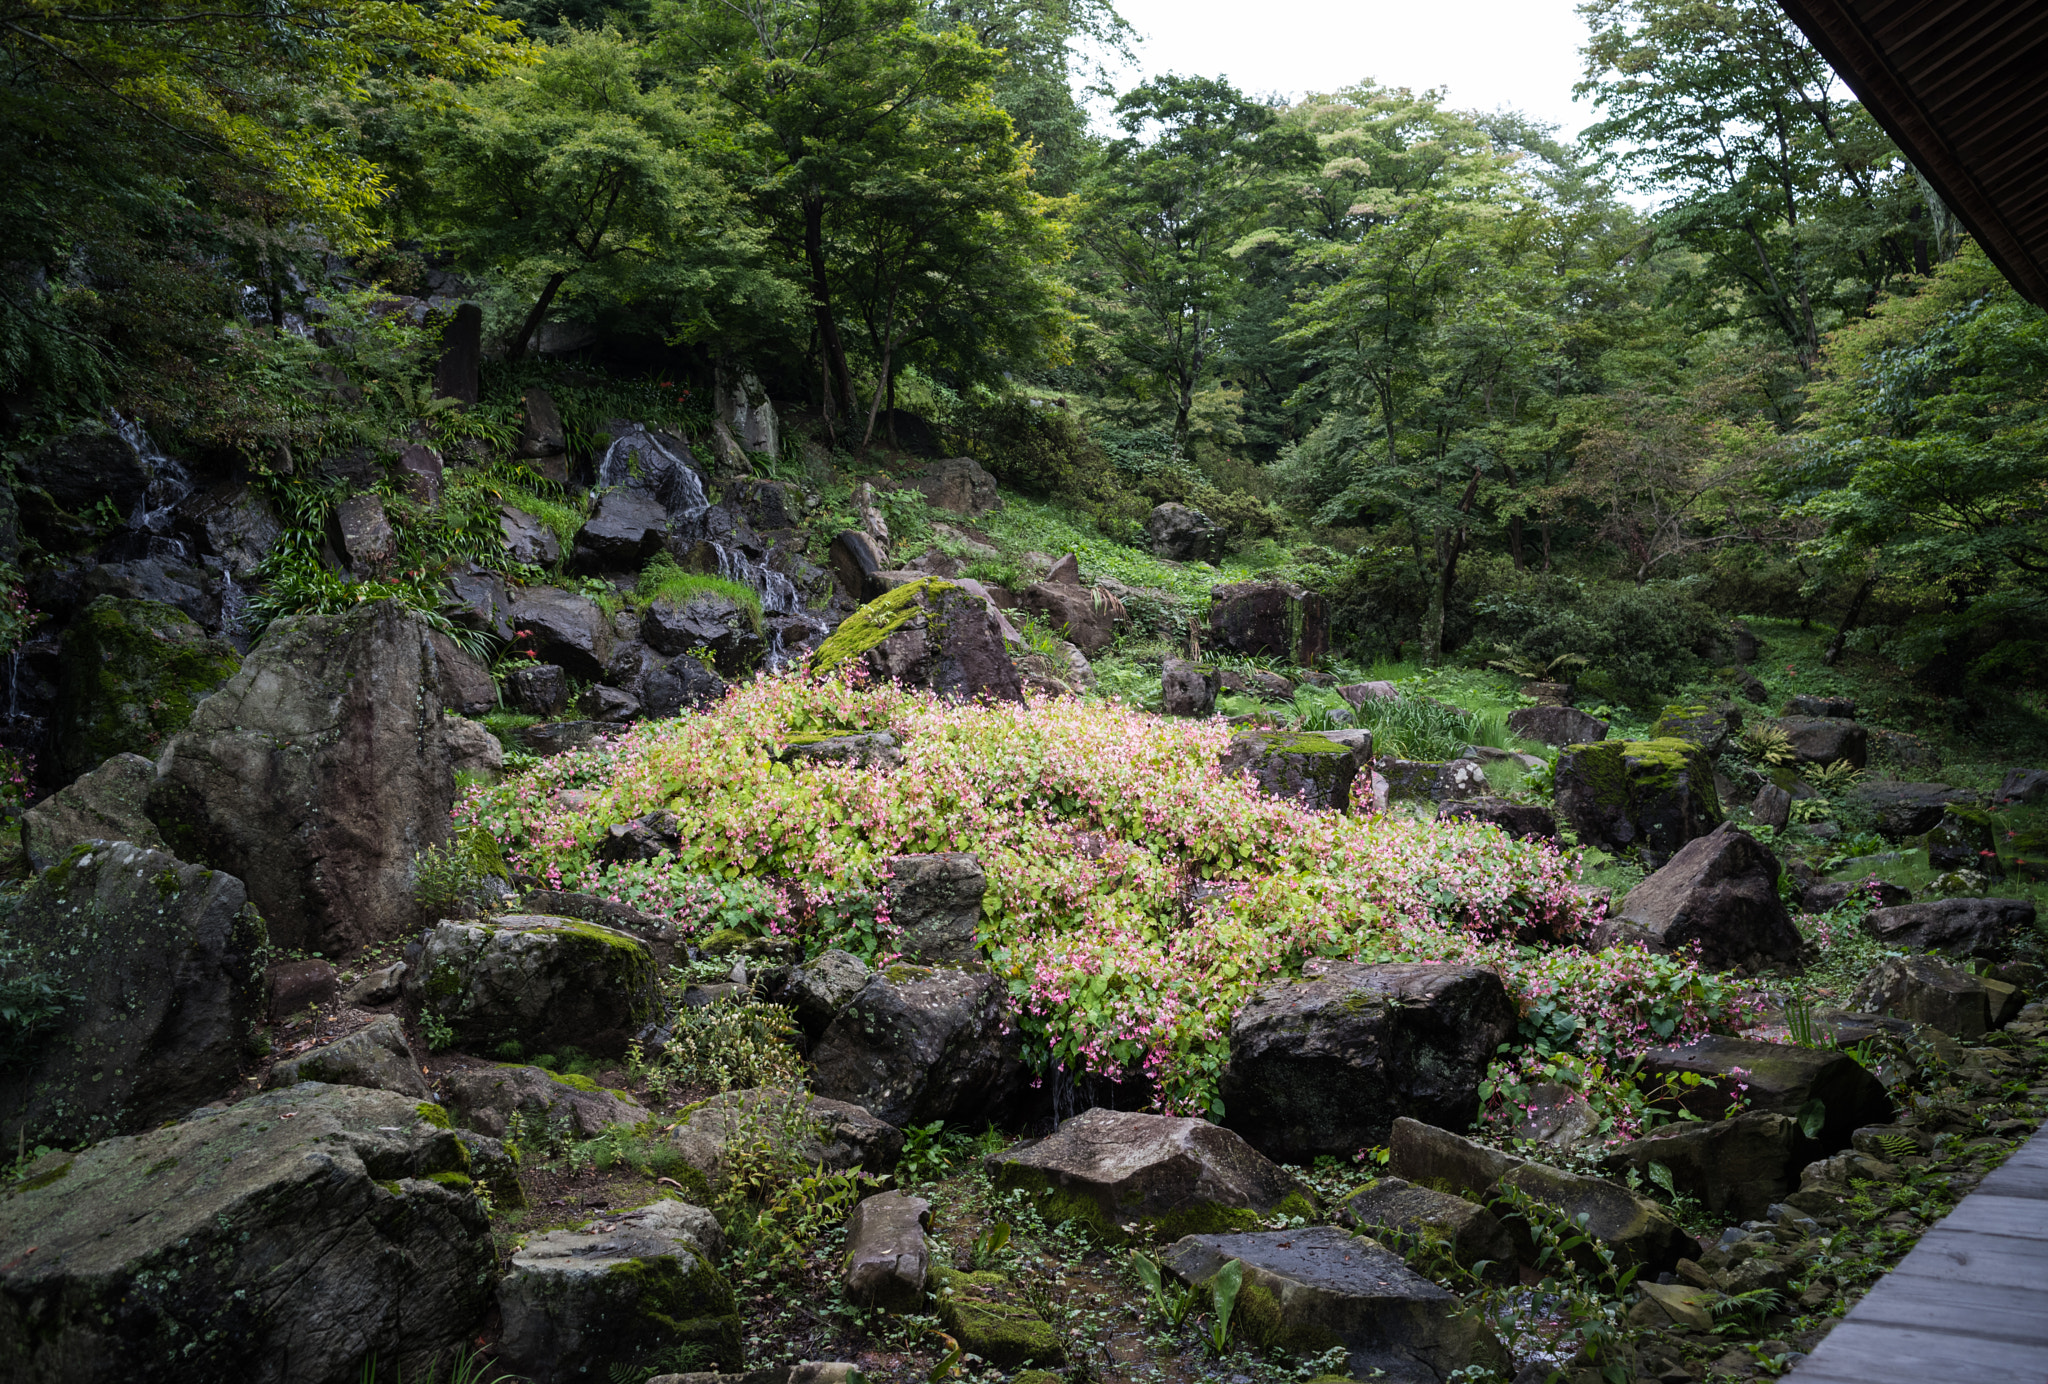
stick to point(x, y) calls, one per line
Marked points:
point(1968, 1303)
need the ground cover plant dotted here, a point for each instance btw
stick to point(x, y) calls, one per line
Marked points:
point(1113, 975)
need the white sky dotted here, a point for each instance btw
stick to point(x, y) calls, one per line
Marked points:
point(1489, 53)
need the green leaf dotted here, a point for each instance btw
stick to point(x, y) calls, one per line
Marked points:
point(1812, 1116)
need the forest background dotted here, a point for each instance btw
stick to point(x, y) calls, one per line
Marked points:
point(1438, 364)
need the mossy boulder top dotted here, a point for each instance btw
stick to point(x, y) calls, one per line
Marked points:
point(287, 1237)
point(132, 673)
point(489, 1099)
point(1120, 1173)
point(928, 633)
point(1301, 766)
point(544, 982)
point(1648, 797)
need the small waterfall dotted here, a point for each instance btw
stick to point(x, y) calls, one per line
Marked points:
point(234, 605)
point(169, 482)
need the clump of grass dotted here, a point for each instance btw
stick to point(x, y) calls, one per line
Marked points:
point(662, 580)
point(561, 518)
point(1412, 727)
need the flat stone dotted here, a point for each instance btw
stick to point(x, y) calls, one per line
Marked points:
point(1926, 990)
point(888, 1255)
point(376, 1056)
point(1693, 1307)
point(1735, 1168)
point(1113, 1169)
point(835, 1135)
point(875, 750)
point(1777, 1077)
point(1960, 927)
point(1391, 1205)
point(1308, 1291)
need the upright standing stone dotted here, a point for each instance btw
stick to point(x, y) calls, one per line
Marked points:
point(462, 351)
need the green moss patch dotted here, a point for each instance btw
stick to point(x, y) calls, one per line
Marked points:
point(874, 622)
point(983, 1313)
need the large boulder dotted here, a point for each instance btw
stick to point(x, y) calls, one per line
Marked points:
point(1187, 688)
point(544, 982)
point(563, 628)
point(666, 687)
point(1556, 725)
point(1633, 1226)
point(2023, 786)
point(960, 486)
point(928, 633)
point(1301, 766)
point(1909, 809)
point(526, 540)
point(1122, 1174)
point(1182, 534)
point(1716, 898)
point(888, 1254)
point(1326, 1064)
point(287, 1238)
point(132, 673)
point(817, 991)
point(1270, 618)
point(626, 1290)
point(1085, 616)
point(231, 522)
point(802, 1131)
point(1983, 928)
point(1309, 1291)
point(707, 623)
point(495, 1101)
point(1779, 1078)
point(936, 901)
point(916, 1046)
point(1737, 1169)
point(1645, 796)
point(626, 527)
point(1826, 739)
point(1926, 990)
point(375, 1055)
point(158, 960)
point(104, 805)
point(317, 775)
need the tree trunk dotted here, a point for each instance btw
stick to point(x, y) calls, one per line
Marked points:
point(841, 378)
point(1450, 546)
point(537, 316)
point(1515, 541)
point(1849, 618)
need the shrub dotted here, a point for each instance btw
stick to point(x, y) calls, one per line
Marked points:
point(732, 1044)
point(1032, 445)
point(1635, 638)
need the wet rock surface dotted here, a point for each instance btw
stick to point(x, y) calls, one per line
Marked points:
point(543, 982)
point(915, 1046)
point(1717, 898)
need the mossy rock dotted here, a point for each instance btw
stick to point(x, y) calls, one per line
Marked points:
point(1301, 766)
point(544, 981)
point(132, 673)
point(874, 622)
point(988, 1317)
point(1640, 797)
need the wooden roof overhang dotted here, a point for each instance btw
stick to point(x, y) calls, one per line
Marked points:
point(1962, 86)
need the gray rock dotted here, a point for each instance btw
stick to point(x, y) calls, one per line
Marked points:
point(1321, 1288)
point(472, 748)
point(289, 1237)
point(476, 599)
point(1531, 821)
point(929, 634)
point(544, 981)
point(1634, 1227)
point(160, 959)
point(231, 522)
point(1777, 1077)
point(667, 687)
point(1389, 1207)
point(1305, 768)
point(607, 705)
point(1187, 689)
point(467, 687)
point(1826, 739)
point(914, 1048)
point(1362, 694)
point(818, 990)
point(857, 561)
point(105, 805)
point(821, 1132)
point(1772, 808)
point(960, 486)
point(2023, 786)
point(132, 673)
point(624, 1290)
point(1182, 534)
point(375, 1055)
point(1712, 728)
point(1326, 1064)
point(566, 629)
point(876, 750)
point(421, 471)
point(541, 433)
point(706, 624)
point(1424, 780)
point(316, 775)
point(1909, 809)
point(1960, 927)
point(642, 838)
point(526, 539)
point(1825, 894)
point(1649, 797)
point(1267, 687)
point(558, 737)
point(82, 467)
point(538, 689)
point(490, 1099)
point(625, 528)
point(1929, 991)
point(888, 1256)
point(1556, 725)
point(1831, 708)
point(1963, 841)
point(291, 987)
point(1275, 618)
point(1718, 897)
point(1117, 1170)
point(361, 533)
point(1735, 1168)
point(936, 901)
point(381, 986)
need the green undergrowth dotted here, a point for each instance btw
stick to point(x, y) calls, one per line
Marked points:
point(662, 580)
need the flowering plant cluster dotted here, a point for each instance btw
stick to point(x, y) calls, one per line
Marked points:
point(1135, 897)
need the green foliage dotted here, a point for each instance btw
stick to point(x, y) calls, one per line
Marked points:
point(1419, 727)
point(1578, 1305)
point(449, 879)
point(929, 1152)
point(31, 1003)
point(1171, 1300)
point(1223, 1293)
point(736, 1042)
point(438, 1033)
point(662, 580)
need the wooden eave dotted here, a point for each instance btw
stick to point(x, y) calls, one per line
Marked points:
point(1962, 87)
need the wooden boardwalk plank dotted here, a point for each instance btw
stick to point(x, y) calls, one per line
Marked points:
point(1968, 1302)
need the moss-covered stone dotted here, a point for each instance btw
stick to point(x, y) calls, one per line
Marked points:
point(132, 672)
point(1642, 797)
point(542, 981)
point(874, 622)
point(1304, 767)
point(988, 1317)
